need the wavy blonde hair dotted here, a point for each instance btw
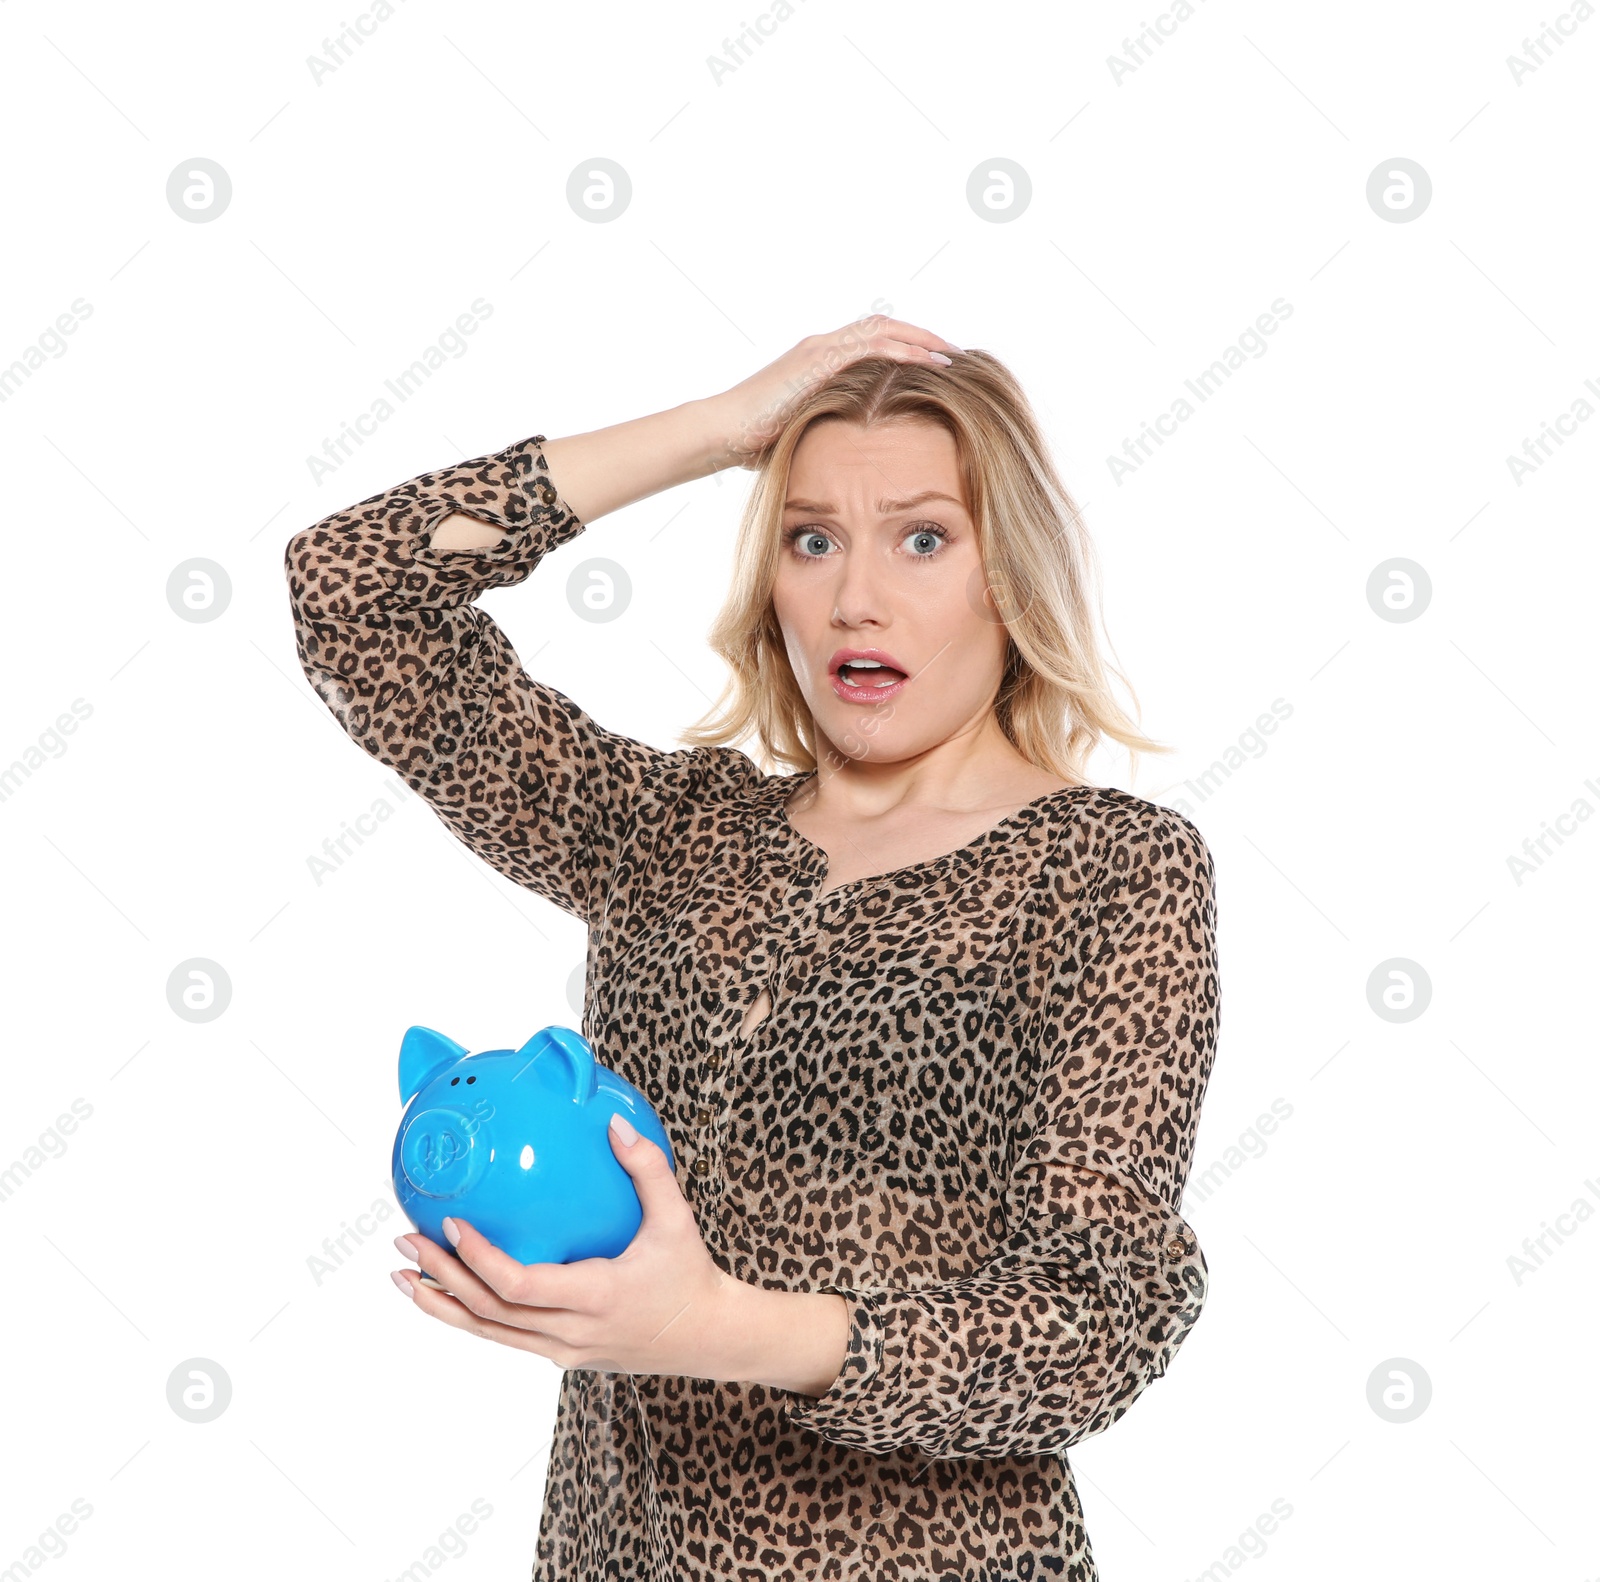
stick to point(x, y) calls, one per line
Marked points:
point(1054, 701)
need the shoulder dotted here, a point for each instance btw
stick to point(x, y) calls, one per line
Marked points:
point(1112, 835)
point(704, 774)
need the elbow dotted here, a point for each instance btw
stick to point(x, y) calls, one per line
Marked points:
point(296, 561)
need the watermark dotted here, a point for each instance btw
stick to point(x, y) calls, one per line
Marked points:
point(337, 1251)
point(51, 1542)
point(337, 50)
point(998, 190)
point(736, 51)
point(599, 190)
point(1552, 436)
point(199, 1390)
point(50, 743)
point(451, 345)
point(1537, 1251)
point(1250, 345)
point(199, 190)
point(51, 1144)
point(599, 589)
point(1399, 989)
point(1144, 44)
point(1252, 1144)
point(199, 590)
point(1398, 590)
point(49, 345)
point(1399, 190)
point(337, 850)
point(1536, 848)
point(1399, 1390)
point(1250, 744)
point(199, 989)
point(1251, 1544)
point(449, 1545)
point(1538, 49)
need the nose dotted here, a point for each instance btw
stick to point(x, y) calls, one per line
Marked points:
point(443, 1152)
point(859, 599)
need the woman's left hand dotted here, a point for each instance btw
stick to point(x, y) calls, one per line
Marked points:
point(660, 1306)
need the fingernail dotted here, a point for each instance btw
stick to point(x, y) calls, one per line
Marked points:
point(452, 1232)
point(939, 357)
point(400, 1280)
point(624, 1129)
point(408, 1248)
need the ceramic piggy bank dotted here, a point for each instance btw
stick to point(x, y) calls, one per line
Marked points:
point(515, 1142)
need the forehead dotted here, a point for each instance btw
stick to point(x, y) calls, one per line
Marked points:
point(838, 466)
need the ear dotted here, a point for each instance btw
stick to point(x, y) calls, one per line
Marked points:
point(423, 1055)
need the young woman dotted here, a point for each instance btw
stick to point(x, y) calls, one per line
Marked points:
point(929, 1019)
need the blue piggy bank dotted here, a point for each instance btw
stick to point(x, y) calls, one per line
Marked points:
point(515, 1141)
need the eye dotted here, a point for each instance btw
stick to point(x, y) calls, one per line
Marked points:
point(795, 536)
point(925, 533)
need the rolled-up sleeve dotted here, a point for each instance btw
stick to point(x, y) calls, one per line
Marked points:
point(1082, 1306)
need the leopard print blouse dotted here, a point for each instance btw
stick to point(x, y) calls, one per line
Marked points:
point(970, 1110)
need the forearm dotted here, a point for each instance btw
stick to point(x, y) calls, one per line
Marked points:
point(787, 1340)
point(608, 468)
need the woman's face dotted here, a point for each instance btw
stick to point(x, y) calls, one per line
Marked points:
point(879, 554)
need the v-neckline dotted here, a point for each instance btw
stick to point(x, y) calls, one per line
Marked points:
point(812, 860)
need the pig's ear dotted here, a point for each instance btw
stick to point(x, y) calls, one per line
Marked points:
point(423, 1055)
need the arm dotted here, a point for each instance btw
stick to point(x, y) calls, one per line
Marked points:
point(388, 633)
point(1083, 1306)
point(608, 468)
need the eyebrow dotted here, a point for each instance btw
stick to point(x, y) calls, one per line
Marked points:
point(885, 507)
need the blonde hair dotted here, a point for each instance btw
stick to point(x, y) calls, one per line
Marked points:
point(1054, 703)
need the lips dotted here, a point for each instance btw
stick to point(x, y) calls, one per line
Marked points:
point(877, 680)
point(876, 656)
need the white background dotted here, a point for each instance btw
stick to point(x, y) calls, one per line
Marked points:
point(1369, 1233)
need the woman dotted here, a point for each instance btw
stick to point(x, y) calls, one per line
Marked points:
point(929, 1022)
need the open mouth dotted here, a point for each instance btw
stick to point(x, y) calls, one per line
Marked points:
point(868, 675)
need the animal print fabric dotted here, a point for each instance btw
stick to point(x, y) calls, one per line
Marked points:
point(970, 1111)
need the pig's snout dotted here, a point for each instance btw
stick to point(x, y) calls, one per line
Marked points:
point(443, 1152)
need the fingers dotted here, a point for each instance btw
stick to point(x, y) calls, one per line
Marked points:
point(911, 337)
point(492, 1284)
point(448, 1309)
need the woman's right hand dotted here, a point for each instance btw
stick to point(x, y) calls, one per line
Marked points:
point(752, 411)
